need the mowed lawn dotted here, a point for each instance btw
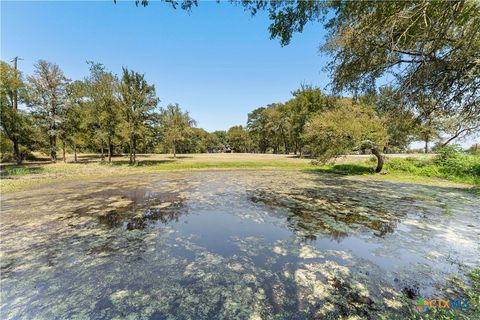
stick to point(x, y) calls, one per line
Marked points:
point(89, 166)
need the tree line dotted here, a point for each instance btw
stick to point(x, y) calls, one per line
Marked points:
point(102, 113)
point(428, 49)
point(112, 114)
point(326, 126)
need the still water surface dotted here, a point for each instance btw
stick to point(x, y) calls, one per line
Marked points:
point(232, 245)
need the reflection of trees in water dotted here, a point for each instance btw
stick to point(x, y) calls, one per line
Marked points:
point(335, 213)
point(153, 215)
point(310, 223)
point(142, 218)
point(132, 245)
point(143, 207)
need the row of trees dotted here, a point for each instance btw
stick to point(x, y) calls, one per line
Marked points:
point(327, 126)
point(109, 114)
point(428, 48)
point(102, 112)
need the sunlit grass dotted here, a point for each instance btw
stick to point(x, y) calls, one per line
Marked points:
point(411, 170)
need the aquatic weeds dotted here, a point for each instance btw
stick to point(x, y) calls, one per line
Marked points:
point(204, 245)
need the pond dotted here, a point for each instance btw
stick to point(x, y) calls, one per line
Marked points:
point(232, 245)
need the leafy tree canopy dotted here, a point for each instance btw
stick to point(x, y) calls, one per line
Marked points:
point(428, 47)
point(176, 126)
point(346, 128)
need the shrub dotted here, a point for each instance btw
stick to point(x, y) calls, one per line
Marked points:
point(450, 164)
point(447, 154)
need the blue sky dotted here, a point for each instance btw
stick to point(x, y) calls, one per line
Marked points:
point(217, 62)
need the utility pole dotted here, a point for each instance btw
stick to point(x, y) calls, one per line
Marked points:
point(16, 147)
point(15, 94)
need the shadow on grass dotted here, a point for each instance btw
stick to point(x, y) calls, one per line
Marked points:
point(40, 159)
point(140, 163)
point(180, 157)
point(346, 168)
point(361, 169)
point(297, 156)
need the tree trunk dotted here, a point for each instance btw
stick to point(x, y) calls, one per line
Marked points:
point(75, 151)
point(134, 150)
point(16, 148)
point(53, 148)
point(63, 152)
point(102, 155)
point(174, 151)
point(285, 143)
point(380, 160)
point(110, 149)
point(426, 145)
point(16, 151)
point(131, 150)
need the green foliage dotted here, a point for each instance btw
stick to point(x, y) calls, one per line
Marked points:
point(17, 171)
point(346, 128)
point(15, 123)
point(47, 97)
point(450, 164)
point(214, 143)
point(270, 127)
point(279, 127)
point(307, 101)
point(429, 47)
point(103, 110)
point(398, 120)
point(137, 102)
point(238, 139)
point(221, 135)
point(176, 126)
point(447, 155)
point(257, 125)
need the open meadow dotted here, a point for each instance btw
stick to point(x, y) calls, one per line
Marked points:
point(89, 166)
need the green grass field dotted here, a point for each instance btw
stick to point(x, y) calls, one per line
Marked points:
point(417, 169)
